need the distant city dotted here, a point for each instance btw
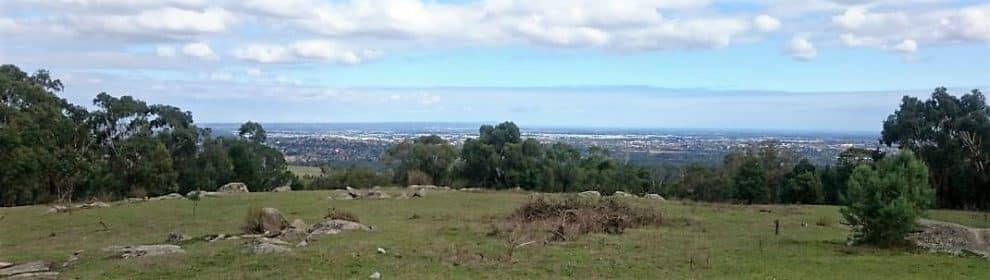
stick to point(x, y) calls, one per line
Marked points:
point(364, 143)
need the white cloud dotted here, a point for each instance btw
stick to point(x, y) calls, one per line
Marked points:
point(766, 23)
point(165, 51)
point(220, 76)
point(167, 22)
point(254, 72)
point(852, 40)
point(318, 50)
point(801, 49)
point(906, 46)
point(199, 50)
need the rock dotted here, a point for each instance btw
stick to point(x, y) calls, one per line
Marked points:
point(622, 194)
point(5, 265)
point(72, 259)
point(335, 226)
point(46, 275)
point(403, 195)
point(145, 250)
point(57, 209)
point(473, 190)
point(419, 193)
point(298, 224)
point(135, 199)
point(175, 238)
point(302, 243)
point(96, 204)
point(381, 251)
point(233, 187)
point(282, 189)
point(654, 196)
point(342, 197)
point(377, 275)
point(24, 268)
point(376, 194)
point(270, 220)
point(951, 238)
point(168, 196)
point(268, 246)
point(353, 193)
point(594, 194)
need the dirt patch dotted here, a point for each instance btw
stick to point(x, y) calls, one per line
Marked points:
point(952, 238)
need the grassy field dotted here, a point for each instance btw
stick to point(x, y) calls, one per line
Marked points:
point(969, 218)
point(445, 236)
point(301, 170)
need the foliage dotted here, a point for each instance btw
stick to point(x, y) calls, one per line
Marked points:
point(52, 150)
point(340, 214)
point(885, 199)
point(751, 182)
point(804, 185)
point(950, 135)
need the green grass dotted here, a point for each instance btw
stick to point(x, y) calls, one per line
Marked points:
point(449, 240)
point(969, 218)
point(302, 170)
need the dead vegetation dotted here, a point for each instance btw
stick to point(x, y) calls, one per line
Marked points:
point(338, 214)
point(550, 219)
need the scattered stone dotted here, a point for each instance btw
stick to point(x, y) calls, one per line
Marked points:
point(168, 197)
point(46, 275)
point(335, 226)
point(269, 220)
point(592, 194)
point(282, 189)
point(302, 243)
point(377, 275)
point(215, 237)
point(5, 265)
point(233, 187)
point(145, 250)
point(622, 194)
point(403, 195)
point(381, 251)
point(90, 205)
point(654, 196)
point(376, 194)
point(473, 190)
point(57, 209)
point(952, 238)
point(135, 199)
point(24, 268)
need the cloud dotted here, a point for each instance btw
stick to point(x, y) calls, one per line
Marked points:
point(165, 51)
point(254, 72)
point(198, 50)
point(801, 49)
point(164, 22)
point(318, 50)
point(906, 46)
point(766, 23)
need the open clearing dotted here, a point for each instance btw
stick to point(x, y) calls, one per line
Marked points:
point(445, 235)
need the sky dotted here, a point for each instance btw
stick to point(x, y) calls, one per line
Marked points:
point(828, 65)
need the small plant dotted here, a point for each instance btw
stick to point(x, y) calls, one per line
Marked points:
point(194, 197)
point(335, 214)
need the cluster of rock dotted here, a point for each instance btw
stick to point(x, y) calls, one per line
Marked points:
point(67, 208)
point(126, 252)
point(28, 270)
point(377, 193)
point(278, 234)
point(620, 194)
point(938, 236)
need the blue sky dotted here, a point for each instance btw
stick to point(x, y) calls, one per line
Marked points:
point(763, 64)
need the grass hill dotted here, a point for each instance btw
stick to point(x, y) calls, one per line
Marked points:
point(446, 235)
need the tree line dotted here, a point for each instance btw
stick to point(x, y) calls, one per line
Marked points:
point(53, 150)
point(499, 158)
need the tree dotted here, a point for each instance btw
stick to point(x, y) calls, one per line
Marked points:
point(805, 188)
point(885, 199)
point(253, 131)
point(751, 182)
point(950, 135)
point(430, 155)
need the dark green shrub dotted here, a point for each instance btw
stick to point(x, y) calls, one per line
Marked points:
point(883, 200)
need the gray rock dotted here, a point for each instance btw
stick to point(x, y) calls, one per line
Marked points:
point(353, 193)
point(282, 189)
point(168, 197)
point(233, 187)
point(335, 226)
point(269, 246)
point(271, 220)
point(376, 194)
point(298, 224)
point(5, 264)
point(622, 194)
point(145, 250)
point(421, 192)
point(473, 190)
point(24, 268)
point(46, 275)
point(175, 238)
point(654, 196)
point(594, 194)
point(376, 275)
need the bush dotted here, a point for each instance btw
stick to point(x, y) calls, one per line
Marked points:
point(416, 177)
point(565, 218)
point(883, 201)
point(335, 214)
